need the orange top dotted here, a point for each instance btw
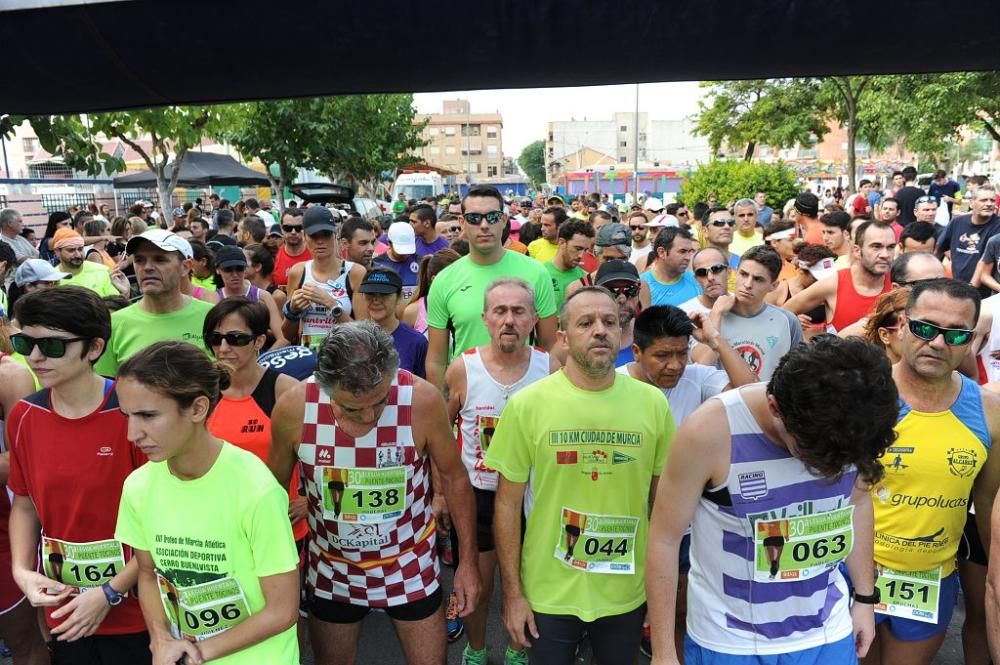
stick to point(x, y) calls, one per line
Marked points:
point(772, 529)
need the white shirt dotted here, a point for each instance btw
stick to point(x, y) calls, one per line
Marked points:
point(697, 384)
point(638, 254)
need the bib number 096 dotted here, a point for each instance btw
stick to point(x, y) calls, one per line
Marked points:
point(209, 618)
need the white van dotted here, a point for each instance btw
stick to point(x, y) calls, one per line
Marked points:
point(418, 185)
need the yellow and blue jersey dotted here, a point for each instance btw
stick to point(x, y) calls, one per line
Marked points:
point(922, 502)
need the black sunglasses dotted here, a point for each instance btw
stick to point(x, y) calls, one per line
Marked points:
point(232, 339)
point(630, 291)
point(455, 229)
point(476, 218)
point(51, 347)
point(925, 199)
point(929, 332)
point(723, 222)
point(291, 228)
point(715, 270)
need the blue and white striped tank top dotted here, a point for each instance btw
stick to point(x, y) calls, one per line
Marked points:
point(730, 613)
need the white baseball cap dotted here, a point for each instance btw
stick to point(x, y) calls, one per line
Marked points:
point(653, 204)
point(165, 240)
point(402, 238)
point(822, 268)
point(37, 270)
point(661, 221)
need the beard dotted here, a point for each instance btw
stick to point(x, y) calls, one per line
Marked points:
point(591, 367)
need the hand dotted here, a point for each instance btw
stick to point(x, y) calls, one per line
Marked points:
point(805, 322)
point(168, 652)
point(722, 306)
point(516, 614)
point(34, 586)
point(85, 612)
point(467, 586)
point(317, 295)
point(705, 330)
point(439, 506)
point(120, 281)
point(298, 301)
point(863, 617)
point(298, 508)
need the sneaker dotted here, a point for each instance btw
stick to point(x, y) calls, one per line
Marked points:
point(472, 657)
point(511, 657)
point(646, 643)
point(455, 625)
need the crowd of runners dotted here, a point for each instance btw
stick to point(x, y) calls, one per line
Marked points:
point(745, 433)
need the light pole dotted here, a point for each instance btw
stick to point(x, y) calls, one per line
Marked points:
point(3, 144)
point(635, 147)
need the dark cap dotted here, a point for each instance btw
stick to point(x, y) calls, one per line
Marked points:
point(381, 281)
point(616, 270)
point(613, 234)
point(318, 219)
point(228, 256)
point(807, 203)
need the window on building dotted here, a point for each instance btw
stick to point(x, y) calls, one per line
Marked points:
point(623, 144)
point(622, 159)
point(471, 130)
point(491, 132)
point(623, 128)
point(491, 171)
point(449, 131)
point(30, 145)
point(449, 150)
point(479, 167)
point(491, 150)
point(435, 150)
point(433, 131)
point(552, 153)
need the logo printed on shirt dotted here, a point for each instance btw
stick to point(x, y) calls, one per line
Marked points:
point(465, 288)
point(621, 458)
point(753, 485)
point(566, 457)
point(105, 451)
point(324, 455)
point(898, 465)
point(962, 462)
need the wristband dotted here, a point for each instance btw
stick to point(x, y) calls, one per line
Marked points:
point(873, 599)
point(289, 314)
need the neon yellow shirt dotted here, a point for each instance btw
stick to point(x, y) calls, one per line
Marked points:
point(589, 458)
point(133, 329)
point(922, 502)
point(230, 523)
point(542, 250)
point(95, 277)
point(741, 244)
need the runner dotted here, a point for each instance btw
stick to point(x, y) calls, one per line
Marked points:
point(611, 243)
point(163, 312)
point(544, 249)
point(357, 241)
point(218, 578)
point(294, 249)
point(946, 426)
point(641, 245)
point(382, 289)
point(670, 282)
point(401, 256)
point(850, 294)
point(68, 248)
point(18, 619)
point(836, 230)
point(747, 234)
point(70, 456)
point(231, 267)
point(575, 237)
point(455, 301)
point(812, 263)
point(622, 280)
point(763, 454)
point(712, 274)
point(479, 383)
point(579, 453)
point(366, 434)
point(423, 219)
point(415, 312)
point(323, 290)
point(782, 237)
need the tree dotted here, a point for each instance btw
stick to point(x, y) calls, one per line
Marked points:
point(731, 180)
point(278, 132)
point(532, 162)
point(780, 113)
point(360, 136)
point(172, 131)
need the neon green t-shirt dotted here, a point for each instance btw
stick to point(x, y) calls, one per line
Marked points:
point(561, 279)
point(589, 458)
point(542, 250)
point(204, 282)
point(133, 329)
point(224, 531)
point(456, 295)
point(398, 206)
point(95, 277)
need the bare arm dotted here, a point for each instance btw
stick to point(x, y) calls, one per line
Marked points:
point(517, 613)
point(810, 298)
point(984, 273)
point(861, 568)
point(410, 314)
point(993, 589)
point(547, 332)
point(286, 433)
point(437, 356)
point(358, 305)
point(275, 319)
point(297, 303)
point(431, 416)
point(984, 490)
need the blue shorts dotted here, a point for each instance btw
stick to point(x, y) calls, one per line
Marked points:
point(910, 630)
point(841, 652)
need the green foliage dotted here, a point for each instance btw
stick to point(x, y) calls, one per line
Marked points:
point(532, 162)
point(780, 113)
point(732, 180)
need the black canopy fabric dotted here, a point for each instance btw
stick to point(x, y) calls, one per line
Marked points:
point(95, 56)
point(199, 169)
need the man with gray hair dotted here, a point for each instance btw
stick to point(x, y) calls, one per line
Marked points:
point(747, 233)
point(11, 225)
point(366, 434)
point(479, 382)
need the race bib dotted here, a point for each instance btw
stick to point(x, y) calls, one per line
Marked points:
point(203, 610)
point(597, 543)
point(907, 594)
point(362, 495)
point(82, 565)
point(796, 548)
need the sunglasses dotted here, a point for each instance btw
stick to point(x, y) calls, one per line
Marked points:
point(476, 218)
point(454, 229)
point(636, 227)
point(929, 332)
point(925, 199)
point(715, 270)
point(681, 213)
point(51, 347)
point(291, 228)
point(214, 339)
point(630, 291)
point(723, 222)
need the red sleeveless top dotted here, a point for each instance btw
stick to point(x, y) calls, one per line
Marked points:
point(851, 305)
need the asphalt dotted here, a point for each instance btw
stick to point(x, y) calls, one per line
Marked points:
point(379, 645)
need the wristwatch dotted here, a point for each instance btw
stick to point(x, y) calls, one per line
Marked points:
point(115, 598)
point(873, 599)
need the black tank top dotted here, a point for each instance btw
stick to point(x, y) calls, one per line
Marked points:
point(263, 394)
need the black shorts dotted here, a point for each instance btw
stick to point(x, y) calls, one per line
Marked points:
point(485, 500)
point(614, 639)
point(98, 649)
point(774, 541)
point(970, 548)
point(332, 611)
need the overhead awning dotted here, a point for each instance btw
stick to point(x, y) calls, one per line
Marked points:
point(200, 169)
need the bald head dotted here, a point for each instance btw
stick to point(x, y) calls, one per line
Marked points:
point(915, 267)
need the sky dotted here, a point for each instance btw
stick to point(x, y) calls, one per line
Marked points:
point(525, 112)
